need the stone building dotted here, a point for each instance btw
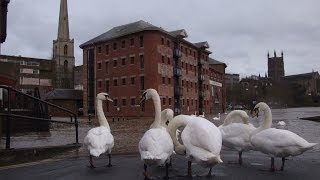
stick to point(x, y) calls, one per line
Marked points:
point(217, 85)
point(63, 51)
point(275, 67)
point(231, 80)
point(131, 58)
point(310, 81)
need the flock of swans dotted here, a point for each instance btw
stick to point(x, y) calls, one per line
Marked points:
point(201, 141)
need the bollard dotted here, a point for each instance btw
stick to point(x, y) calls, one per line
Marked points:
point(89, 116)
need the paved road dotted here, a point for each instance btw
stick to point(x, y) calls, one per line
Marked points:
point(305, 166)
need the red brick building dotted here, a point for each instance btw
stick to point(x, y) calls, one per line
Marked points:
point(218, 87)
point(131, 58)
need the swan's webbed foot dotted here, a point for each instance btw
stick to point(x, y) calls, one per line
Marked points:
point(240, 158)
point(109, 165)
point(282, 166)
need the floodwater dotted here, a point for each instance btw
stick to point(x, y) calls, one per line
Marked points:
point(127, 133)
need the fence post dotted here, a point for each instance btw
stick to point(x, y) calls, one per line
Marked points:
point(8, 129)
point(76, 125)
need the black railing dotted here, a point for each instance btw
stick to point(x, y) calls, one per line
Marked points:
point(7, 112)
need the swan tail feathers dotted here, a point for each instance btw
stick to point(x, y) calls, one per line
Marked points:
point(310, 145)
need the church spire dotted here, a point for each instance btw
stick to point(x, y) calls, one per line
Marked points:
point(274, 53)
point(63, 28)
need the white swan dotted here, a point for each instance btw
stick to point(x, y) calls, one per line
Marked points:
point(281, 123)
point(217, 118)
point(276, 142)
point(201, 140)
point(155, 146)
point(166, 116)
point(100, 140)
point(202, 115)
point(237, 135)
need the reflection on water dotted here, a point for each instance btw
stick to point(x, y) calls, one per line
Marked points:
point(65, 134)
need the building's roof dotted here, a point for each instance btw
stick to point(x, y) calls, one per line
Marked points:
point(16, 58)
point(214, 61)
point(140, 26)
point(64, 94)
point(301, 76)
point(122, 30)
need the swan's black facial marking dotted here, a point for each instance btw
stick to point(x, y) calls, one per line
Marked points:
point(143, 98)
point(167, 122)
point(256, 112)
point(108, 97)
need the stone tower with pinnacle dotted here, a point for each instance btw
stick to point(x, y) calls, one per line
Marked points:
point(63, 51)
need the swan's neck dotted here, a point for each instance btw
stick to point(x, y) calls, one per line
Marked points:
point(175, 123)
point(157, 109)
point(231, 116)
point(101, 118)
point(267, 122)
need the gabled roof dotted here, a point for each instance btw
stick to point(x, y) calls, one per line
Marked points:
point(122, 31)
point(182, 33)
point(213, 61)
point(301, 76)
point(204, 44)
point(64, 94)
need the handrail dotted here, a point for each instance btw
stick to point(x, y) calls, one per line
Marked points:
point(9, 114)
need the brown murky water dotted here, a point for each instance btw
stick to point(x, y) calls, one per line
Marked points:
point(127, 133)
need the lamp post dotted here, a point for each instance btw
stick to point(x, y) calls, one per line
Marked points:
point(3, 19)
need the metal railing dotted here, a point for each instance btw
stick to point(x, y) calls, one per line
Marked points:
point(7, 112)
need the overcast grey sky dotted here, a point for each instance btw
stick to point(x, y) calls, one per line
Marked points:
point(240, 33)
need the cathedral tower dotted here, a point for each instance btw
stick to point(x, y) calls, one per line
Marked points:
point(63, 51)
point(275, 67)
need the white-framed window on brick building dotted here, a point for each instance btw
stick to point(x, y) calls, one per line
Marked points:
point(123, 81)
point(132, 60)
point(142, 61)
point(163, 101)
point(124, 101)
point(163, 80)
point(99, 66)
point(115, 102)
point(115, 82)
point(132, 42)
point(169, 60)
point(142, 82)
point(162, 41)
point(123, 44)
point(169, 101)
point(115, 63)
point(115, 46)
point(141, 41)
point(107, 49)
point(169, 81)
point(133, 101)
point(132, 80)
point(107, 86)
point(162, 59)
point(107, 67)
point(99, 83)
point(99, 49)
point(123, 61)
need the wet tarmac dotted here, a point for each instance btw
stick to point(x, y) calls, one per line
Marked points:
point(303, 167)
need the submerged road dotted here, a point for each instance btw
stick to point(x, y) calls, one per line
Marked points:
point(256, 164)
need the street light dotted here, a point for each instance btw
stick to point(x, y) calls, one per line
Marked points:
point(3, 19)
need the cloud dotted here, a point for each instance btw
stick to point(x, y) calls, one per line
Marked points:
point(240, 33)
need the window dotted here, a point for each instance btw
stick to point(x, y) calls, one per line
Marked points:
point(162, 59)
point(115, 82)
point(115, 63)
point(99, 49)
point(107, 86)
point(142, 82)
point(169, 81)
point(99, 84)
point(65, 65)
point(141, 61)
point(35, 71)
point(65, 50)
point(163, 101)
point(169, 101)
point(162, 41)
point(123, 81)
point(132, 79)
point(114, 46)
point(99, 65)
point(168, 60)
point(123, 44)
point(182, 83)
point(141, 41)
point(124, 102)
point(123, 61)
point(133, 101)
point(132, 42)
point(107, 49)
point(187, 102)
point(132, 60)
point(163, 80)
point(168, 43)
point(115, 102)
point(107, 67)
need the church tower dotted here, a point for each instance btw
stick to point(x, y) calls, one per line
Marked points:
point(275, 67)
point(63, 51)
